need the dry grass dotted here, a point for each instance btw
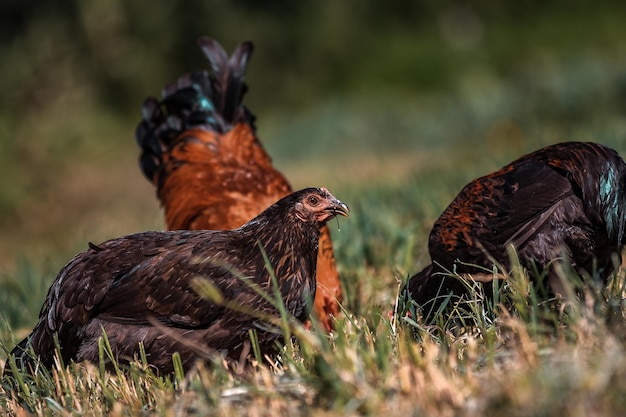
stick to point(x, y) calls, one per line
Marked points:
point(378, 363)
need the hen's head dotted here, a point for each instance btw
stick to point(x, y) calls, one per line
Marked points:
point(309, 208)
point(317, 205)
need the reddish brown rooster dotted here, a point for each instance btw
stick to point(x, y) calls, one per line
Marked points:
point(141, 289)
point(564, 203)
point(200, 149)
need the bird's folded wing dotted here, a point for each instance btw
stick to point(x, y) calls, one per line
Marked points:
point(498, 209)
point(134, 284)
point(537, 192)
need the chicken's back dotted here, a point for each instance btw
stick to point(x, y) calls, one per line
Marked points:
point(562, 204)
point(211, 181)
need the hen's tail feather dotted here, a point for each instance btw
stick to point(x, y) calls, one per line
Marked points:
point(24, 362)
point(209, 100)
point(229, 73)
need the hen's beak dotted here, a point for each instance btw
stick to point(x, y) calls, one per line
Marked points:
point(334, 206)
point(339, 208)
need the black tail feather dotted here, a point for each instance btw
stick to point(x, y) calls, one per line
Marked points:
point(210, 100)
point(24, 362)
point(229, 74)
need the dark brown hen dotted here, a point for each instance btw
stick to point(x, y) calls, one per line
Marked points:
point(564, 201)
point(200, 150)
point(140, 288)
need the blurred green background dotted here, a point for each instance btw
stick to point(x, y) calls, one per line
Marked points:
point(393, 105)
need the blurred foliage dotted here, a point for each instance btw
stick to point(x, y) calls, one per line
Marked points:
point(117, 51)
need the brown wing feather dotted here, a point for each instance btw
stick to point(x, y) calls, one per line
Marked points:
point(506, 207)
point(133, 281)
point(141, 288)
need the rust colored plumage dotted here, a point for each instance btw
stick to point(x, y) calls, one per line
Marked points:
point(141, 288)
point(567, 199)
point(200, 149)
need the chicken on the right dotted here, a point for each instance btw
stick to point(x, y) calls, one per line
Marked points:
point(565, 203)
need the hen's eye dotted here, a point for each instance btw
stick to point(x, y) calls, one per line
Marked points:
point(313, 200)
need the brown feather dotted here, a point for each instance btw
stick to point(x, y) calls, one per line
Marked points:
point(133, 287)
